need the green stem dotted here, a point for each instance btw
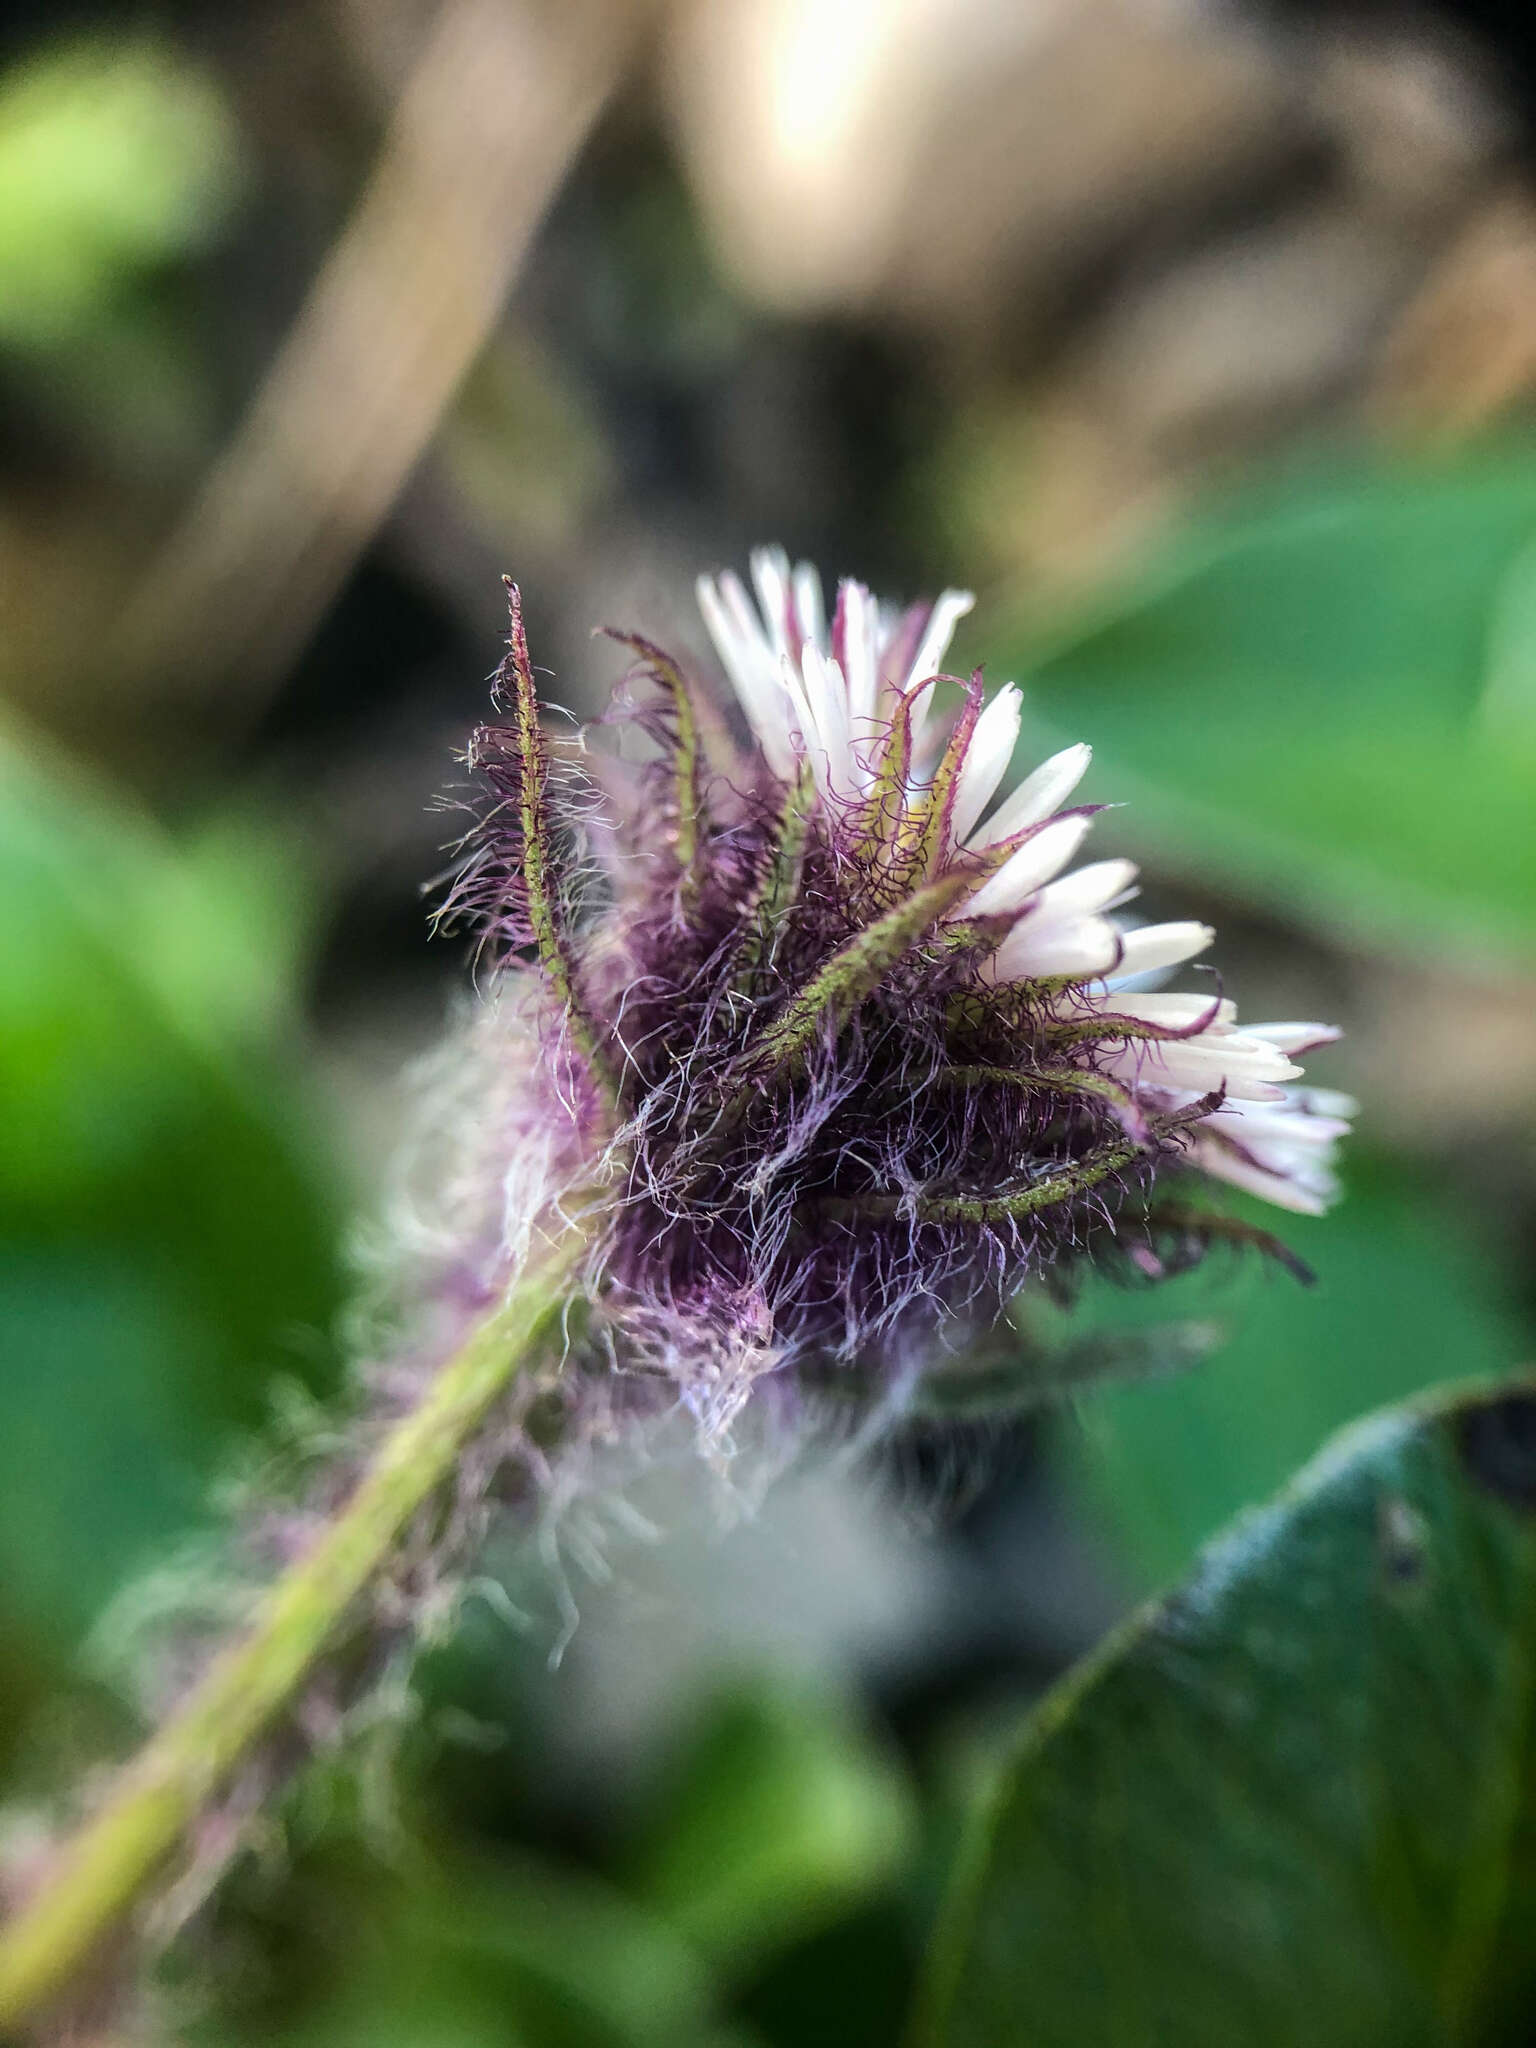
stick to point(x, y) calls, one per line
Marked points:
point(102, 1871)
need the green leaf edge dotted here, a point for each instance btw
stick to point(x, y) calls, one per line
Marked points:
point(942, 1967)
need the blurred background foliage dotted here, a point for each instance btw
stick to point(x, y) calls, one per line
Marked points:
point(1202, 341)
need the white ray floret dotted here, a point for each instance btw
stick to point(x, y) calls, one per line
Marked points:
point(949, 609)
point(1065, 931)
point(1039, 860)
point(1040, 947)
point(1151, 946)
point(1281, 1151)
point(816, 689)
point(1036, 797)
point(752, 666)
point(1088, 890)
point(986, 761)
point(828, 692)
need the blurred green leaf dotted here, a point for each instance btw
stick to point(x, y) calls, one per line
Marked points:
point(552, 1960)
point(167, 1220)
point(1403, 1289)
point(1316, 696)
point(114, 157)
point(1297, 1801)
point(781, 1814)
point(347, 1947)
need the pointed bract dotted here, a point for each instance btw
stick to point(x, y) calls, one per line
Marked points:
point(874, 1057)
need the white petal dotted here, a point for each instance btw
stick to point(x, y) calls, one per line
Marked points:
point(1248, 1072)
point(1028, 868)
point(1297, 1037)
point(1234, 1049)
point(857, 611)
point(950, 608)
point(1278, 1134)
point(1293, 1125)
point(825, 693)
point(1221, 1164)
point(1171, 1009)
point(1090, 888)
point(733, 626)
point(804, 730)
point(1200, 1061)
point(748, 663)
point(1187, 1073)
point(986, 760)
point(1082, 946)
point(820, 695)
point(1040, 793)
point(871, 642)
point(810, 606)
point(1164, 945)
point(1327, 1102)
point(770, 577)
point(1284, 1139)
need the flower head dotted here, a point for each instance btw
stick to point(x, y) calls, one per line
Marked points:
point(860, 1052)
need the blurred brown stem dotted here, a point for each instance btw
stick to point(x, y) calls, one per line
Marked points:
point(500, 100)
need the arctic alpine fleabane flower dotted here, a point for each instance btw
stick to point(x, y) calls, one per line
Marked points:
point(853, 1051)
point(799, 1059)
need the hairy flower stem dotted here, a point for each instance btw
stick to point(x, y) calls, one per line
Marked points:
point(116, 1854)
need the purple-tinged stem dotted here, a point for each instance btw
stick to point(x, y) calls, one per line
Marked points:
point(117, 1853)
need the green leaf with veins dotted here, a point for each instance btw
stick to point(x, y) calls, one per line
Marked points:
point(1296, 1801)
